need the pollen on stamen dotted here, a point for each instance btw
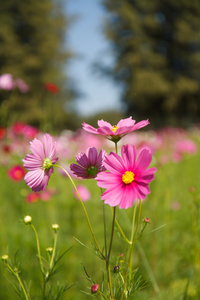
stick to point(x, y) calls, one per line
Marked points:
point(47, 164)
point(128, 177)
point(114, 128)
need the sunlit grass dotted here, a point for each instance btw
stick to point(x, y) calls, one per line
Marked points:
point(167, 253)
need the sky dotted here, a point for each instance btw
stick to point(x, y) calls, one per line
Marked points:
point(85, 37)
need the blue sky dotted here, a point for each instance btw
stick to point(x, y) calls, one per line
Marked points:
point(85, 37)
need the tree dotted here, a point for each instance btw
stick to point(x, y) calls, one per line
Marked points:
point(156, 49)
point(33, 47)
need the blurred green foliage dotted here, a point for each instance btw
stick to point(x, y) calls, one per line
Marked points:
point(156, 53)
point(34, 48)
point(169, 247)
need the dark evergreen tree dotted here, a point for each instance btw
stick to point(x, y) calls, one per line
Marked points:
point(156, 49)
point(33, 47)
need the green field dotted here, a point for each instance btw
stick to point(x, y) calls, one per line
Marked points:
point(167, 255)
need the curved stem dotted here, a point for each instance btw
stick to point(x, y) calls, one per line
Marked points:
point(19, 280)
point(121, 231)
point(54, 251)
point(131, 249)
point(38, 248)
point(84, 209)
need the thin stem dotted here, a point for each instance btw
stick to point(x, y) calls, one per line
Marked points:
point(38, 248)
point(108, 257)
point(54, 251)
point(112, 232)
point(133, 242)
point(19, 280)
point(104, 222)
point(84, 209)
point(116, 150)
point(121, 231)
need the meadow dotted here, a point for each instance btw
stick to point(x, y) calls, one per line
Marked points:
point(166, 256)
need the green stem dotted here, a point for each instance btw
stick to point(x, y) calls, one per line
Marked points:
point(84, 209)
point(54, 251)
point(121, 231)
point(131, 250)
point(131, 240)
point(38, 248)
point(112, 232)
point(104, 222)
point(19, 280)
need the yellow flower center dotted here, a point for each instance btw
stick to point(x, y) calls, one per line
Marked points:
point(114, 128)
point(128, 177)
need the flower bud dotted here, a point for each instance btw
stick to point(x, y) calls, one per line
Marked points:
point(116, 269)
point(4, 258)
point(94, 288)
point(27, 220)
point(55, 227)
point(147, 220)
point(49, 250)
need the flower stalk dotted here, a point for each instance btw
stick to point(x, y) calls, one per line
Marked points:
point(84, 209)
point(15, 273)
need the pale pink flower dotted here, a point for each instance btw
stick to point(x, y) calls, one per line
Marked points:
point(186, 146)
point(22, 86)
point(115, 132)
point(89, 163)
point(128, 178)
point(7, 82)
point(40, 163)
point(83, 192)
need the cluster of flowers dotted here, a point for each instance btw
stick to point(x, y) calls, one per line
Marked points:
point(169, 145)
point(7, 82)
point(125, 179)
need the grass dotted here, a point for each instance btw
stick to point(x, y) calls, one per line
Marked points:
point(167, 255)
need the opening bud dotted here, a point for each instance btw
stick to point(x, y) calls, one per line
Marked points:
point(94, 288)
point(49, 250)
point(4, 258)
point(28, 220)
point(55, 227)
point(147, 220)
point(116, 269)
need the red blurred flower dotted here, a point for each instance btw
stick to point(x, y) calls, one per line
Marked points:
point(32, 197)
point(16, 173)
point(2, 133)
point(51, 87)
point(18, 128)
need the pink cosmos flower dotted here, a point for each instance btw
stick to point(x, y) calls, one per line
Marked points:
point(116, 132)
point(40, 163)
point(89, 163)
point(7, 82)
point(16, 173)
point(21, 84)
point(128, 178)
point(83, 192)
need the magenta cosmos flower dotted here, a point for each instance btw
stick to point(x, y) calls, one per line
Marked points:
point(128, 178)
point(40, 163)
point(89, 163)
point(115, 132)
